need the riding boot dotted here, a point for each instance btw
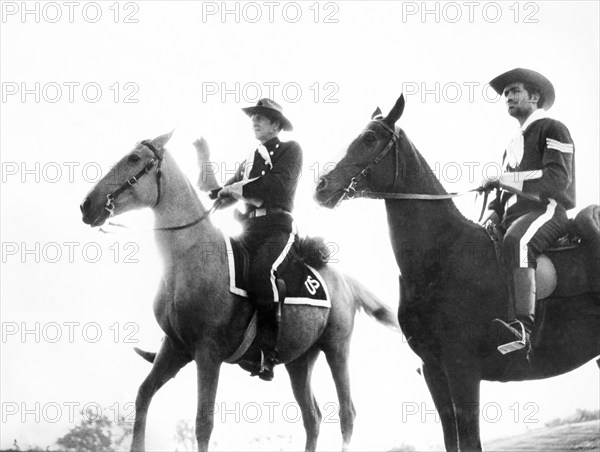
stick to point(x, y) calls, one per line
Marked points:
point(518, 334)
point(268, 327)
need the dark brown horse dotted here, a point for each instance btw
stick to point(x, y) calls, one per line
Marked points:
point(202, 320)
point(451, 284)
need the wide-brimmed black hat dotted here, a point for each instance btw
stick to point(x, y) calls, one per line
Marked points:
point(520, 75)
point(271, 109)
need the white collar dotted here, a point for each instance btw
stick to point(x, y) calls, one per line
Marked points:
point(540, 113)
point(515, 149)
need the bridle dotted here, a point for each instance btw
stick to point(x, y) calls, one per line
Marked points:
point(350, 191)
point(156, 161)
point(393, 142)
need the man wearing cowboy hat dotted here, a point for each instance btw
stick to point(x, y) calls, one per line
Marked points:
point(266, 182)
point(538, 162)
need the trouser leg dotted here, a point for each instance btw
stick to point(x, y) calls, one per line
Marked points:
point(524, 290)
point(268, 293)
point(525, 239)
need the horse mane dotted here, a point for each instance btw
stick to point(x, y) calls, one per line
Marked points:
point(434, 186)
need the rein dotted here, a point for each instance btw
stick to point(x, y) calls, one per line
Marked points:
point(351, 193)
point(167, 228)
point(110, 207)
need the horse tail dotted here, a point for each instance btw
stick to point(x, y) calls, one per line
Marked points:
point(372, 305)
point(148, 356)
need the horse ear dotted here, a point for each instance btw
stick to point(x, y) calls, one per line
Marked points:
point(395, 112)
point(377, 114)
point(160, 141)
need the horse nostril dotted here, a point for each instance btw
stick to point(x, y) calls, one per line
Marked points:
point(322, 184)
point(85, 205)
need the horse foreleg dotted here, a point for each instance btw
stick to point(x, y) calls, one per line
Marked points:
point(337, 358)
point(437, 382)
point(464, 387)
point(300, 371)
point(169, 360)
point(208, 380)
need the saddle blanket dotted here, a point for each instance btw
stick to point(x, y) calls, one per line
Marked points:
point(304, 284)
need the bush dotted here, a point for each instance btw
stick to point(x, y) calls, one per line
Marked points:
point(579, 416)
point(95, 435)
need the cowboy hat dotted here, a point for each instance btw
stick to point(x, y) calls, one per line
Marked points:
point(272, 110)
point(520, 75)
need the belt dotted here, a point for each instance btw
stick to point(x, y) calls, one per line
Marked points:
point(261, 212)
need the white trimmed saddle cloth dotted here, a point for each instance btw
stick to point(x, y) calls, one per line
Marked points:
point(304, 286)
point(304, 283)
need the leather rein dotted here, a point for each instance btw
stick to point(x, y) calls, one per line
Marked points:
point(156, 161)
point(351, 193)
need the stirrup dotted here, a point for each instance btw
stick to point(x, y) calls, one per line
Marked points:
point(514, 345)
point(267, 365)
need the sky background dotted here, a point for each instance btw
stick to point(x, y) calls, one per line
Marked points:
point(82, 84)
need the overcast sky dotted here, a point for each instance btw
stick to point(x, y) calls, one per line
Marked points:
point(81, 83)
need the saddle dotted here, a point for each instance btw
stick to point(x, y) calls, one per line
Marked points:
point(303, 284)
point(571, 267)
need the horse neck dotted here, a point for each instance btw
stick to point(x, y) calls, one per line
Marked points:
point(179, 205)
point(422, 229)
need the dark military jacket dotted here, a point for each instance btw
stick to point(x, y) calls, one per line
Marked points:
point(548, 146)
point(275, 185)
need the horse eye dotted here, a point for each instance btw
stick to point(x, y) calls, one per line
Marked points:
point(134, 158)
point(369, 138)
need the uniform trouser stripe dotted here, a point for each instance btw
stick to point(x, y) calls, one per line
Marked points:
point(278, 262)
point(532, 229)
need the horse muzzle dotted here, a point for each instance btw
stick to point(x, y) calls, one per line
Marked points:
point(325, 196)
point(90, 216)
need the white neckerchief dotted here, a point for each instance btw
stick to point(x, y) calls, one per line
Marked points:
point(515, 148)
point(264, 153)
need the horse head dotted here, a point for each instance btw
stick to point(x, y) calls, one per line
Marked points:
point(380, 159)
point(133, 183)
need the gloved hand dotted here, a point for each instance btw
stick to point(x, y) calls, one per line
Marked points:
point(223, 199)
point(490, 183)
point(225, 193)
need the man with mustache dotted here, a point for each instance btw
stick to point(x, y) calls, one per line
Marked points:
point(538, 161)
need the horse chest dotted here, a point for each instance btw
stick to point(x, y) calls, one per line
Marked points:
point(171, 305)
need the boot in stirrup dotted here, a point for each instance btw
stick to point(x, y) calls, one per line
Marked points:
point(517, 335)
point(267, 330)
point(269, 319)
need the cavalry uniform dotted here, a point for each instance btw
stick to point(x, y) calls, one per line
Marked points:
point(268, 229)
point(542, 159)
point(266, 182)
point(539, 161)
